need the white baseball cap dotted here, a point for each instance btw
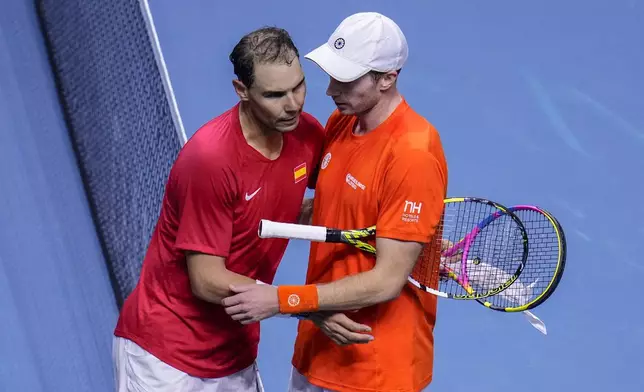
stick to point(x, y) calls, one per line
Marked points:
point(363, 42)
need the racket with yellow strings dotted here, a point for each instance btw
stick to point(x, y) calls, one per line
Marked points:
point(471, 229)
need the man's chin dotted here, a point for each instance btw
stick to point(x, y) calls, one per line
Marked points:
point(287, 127)
point(344, 109)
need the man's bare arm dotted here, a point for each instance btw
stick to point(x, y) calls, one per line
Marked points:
point(394, 263)
point(306, 212)
point(210, 279)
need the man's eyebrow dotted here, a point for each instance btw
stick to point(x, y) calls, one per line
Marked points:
point(271, 92)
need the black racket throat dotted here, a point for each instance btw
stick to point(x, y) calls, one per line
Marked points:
point(334, 235)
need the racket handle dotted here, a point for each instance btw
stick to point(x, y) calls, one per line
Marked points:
point(270, 229)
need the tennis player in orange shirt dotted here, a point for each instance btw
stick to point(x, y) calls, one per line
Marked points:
point(383, 164)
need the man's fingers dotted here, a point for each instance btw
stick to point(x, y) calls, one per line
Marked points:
point(353, 337)
point(332, 334)
point(231, 301)
point(235, 309)
point(339, 339)
point(360, 338)
point(351, 325)
point(341, 329)
point(240, 316)
point(350, 336)
point(344, 337)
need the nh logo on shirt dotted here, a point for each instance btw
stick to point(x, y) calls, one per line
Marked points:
point(411, 212)
point(413, 208)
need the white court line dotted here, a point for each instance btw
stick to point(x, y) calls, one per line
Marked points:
point(158, 54)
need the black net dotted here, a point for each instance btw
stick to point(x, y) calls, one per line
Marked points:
point(119, 118)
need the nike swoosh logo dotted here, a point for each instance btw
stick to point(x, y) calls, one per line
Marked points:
point(248, 197)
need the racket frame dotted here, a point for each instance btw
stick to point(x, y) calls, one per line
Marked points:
point(271, 229)
point(557, 275)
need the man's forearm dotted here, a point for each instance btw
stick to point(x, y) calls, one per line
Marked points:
point(214, 289)
point(306, 212)
point(357, 291)
point(210, 280)
point(380, 284)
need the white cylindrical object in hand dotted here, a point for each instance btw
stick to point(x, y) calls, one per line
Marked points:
point(270, 229)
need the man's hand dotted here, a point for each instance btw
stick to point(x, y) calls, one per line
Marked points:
point(447, 244)
point(341, 329)
point(251, 302)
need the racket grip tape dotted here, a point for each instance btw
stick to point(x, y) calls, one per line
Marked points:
point(271, 229)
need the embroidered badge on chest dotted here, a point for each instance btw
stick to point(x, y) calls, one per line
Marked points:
point(353, 182)
point(325, 161)
point(299, 172)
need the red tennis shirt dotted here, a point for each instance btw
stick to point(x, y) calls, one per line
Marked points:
point(218, 190)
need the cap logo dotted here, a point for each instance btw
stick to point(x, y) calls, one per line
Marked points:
point(339, 43)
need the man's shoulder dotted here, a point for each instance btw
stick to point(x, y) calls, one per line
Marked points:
point(310, 128)
point(415, 132)
point(415, 140)
point(217, 128)
point(309, 121)
point(338, 123)
point(213, 144)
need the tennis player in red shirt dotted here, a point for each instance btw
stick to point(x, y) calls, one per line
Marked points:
point(252, 162)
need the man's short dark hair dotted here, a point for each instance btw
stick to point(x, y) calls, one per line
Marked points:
point(265, 45)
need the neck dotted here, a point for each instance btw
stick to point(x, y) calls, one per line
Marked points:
point(375, 116)
point(265, 140)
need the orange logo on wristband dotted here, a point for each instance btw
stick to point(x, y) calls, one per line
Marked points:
point(293, 300)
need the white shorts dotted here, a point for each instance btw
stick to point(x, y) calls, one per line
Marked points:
point(299, 383)
point(136, 370)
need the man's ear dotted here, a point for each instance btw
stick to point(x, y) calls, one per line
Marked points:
point(387, 80)
point(240, 89)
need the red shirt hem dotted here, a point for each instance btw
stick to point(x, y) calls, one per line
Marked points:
point(162, 355)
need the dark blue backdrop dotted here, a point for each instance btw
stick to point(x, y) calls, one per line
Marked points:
point(57, 309)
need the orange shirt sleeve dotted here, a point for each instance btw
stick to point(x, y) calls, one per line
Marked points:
point(412, 194)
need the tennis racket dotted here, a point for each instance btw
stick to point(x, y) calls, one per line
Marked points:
point(470, 229)
point(544, 267)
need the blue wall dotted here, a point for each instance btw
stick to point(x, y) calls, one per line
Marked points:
point(56, 303)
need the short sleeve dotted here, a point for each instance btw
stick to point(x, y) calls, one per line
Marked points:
point(205, 198)
point(317, 161)
point(318, 143)
point(411, 197)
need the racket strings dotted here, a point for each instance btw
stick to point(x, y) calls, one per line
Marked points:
point(427, 270)
point(495, 255)
point(499, 240)
point(544, 259)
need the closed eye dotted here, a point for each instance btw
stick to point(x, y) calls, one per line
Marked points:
point(274, 94)
point(280, 94)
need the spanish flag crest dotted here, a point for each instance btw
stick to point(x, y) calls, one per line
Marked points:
point(299, 173)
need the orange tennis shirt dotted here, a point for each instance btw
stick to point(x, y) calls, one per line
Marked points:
point(395, 177)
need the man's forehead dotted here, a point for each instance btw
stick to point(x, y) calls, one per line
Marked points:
point(278, 76)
